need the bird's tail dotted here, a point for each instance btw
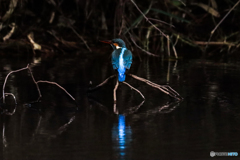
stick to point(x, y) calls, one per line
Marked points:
point(121, 75)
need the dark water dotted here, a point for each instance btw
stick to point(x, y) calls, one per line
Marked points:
point(208, 119)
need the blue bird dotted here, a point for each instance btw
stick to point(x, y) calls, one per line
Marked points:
point(121, 57)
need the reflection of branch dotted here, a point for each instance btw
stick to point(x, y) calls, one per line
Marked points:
point(134, 89)
point(167, 108)
point(3, 136)
point(134, 109)
point(164, 88)
point(64, 127)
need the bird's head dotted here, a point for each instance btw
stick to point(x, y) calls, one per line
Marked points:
point(116, 43)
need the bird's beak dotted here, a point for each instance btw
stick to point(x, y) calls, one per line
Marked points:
point(106, 41)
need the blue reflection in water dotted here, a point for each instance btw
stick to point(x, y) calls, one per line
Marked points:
point(121, 131)
point(121, 135)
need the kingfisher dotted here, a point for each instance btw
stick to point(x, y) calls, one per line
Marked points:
point(121, 57)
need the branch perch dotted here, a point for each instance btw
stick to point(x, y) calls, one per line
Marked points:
point(164, 88)
point(36, 83)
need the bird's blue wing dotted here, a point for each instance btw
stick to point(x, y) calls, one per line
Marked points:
point(115, 58)
point(127, 59)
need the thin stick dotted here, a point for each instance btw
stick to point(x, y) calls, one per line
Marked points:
point(134, 89)
point(36, 82)
point(40, 81)
point(148, 19)
point(175, 52)
point(39, 92)
point(114, 92)
point(168, 46)
point(214, 43)
point(149, 53)
point(161, 22)
point(5, 81)
point(101, 84)
point(80, 38)
point(212, 32)
point(164, 88)
point(115, 108)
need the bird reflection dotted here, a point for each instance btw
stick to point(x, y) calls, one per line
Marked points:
point(121, 135)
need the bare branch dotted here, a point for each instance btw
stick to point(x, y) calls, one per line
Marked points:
point(148, 19)
point(40, 81)
point(149, 53)
point(212, 32)
point(114, 92)
point(164, 88)
point(101, 84)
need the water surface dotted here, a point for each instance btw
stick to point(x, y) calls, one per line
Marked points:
point(208, 119)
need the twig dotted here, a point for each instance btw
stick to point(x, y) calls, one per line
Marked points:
point(70, 26)
point(5, 81)
point(114, 92)
point(115, 108)
point(164, 88)
point(148, 19)
point(80, 38)
point(36, 83)
point(175, 52)
point(212, 32)
point(13, 26)
point(34, 44)
point(214, 43)
point(168, 46)
point(149, 53)
point(40, 81)
point(101, 84)
point(134, 89)
point(161, 22)
point(39, 92)
point(12, 6)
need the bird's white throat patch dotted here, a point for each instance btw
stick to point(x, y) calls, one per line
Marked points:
point(117, 47)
